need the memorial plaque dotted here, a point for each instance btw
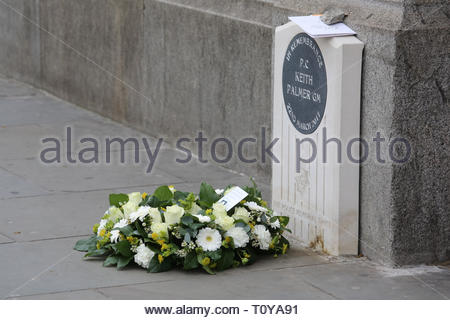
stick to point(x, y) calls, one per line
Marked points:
point(304, 83)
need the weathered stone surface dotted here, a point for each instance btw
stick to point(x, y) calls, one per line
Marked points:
point(333, 16)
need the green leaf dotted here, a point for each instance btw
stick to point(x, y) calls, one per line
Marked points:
point(117, 199)
point(227, 259)
point(122, 262)
point(283, 220)
point(86, 245)
point(190, 261)
point(178, 195)
point(123, 247)
point(97, 253)
point(215, 255)
point(163, 193)
point(207, 195)
point(187, 219)
point(127, 230)
point(112, 260)
point(187, 237)
point(155, 266)
point(140, 230)
point(209, 270)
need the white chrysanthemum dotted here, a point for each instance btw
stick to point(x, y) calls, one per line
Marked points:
point(225, 222)
point(115, 234)
point(101, 226)
point(115, 214)
point(262, 235)
point(155, 215)
point(255, 207)
point(275, 224)
point(140, 214)
point(160, 228)
point(209, 239)
point(219, 191)
point(241, 213)
point(202, 218)
point(143, 256)
point(173, 214)
point(219, 209)
point(240, 237)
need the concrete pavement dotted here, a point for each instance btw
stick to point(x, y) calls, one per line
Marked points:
point(46, 208)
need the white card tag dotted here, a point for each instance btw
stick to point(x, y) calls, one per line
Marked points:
point(233, 197)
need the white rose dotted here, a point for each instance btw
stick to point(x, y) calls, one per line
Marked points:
point(195, 209)
point(173, 214)
point(160, 229)
point(225, 222)
point(219, 209)
point(155, 215)
point(115, 214)
point(129, 208)
point(241, 213)
point(135, 197)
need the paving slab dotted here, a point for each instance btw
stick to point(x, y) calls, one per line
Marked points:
point(85, 177)
point(37, 110)
point(360, 280)
point(30, 137)
point(16, 186)
point(53, 266)
point(89, 294)
point(4, 239)
point(52, 216)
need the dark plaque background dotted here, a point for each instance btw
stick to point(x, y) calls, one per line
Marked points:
point(304, 83)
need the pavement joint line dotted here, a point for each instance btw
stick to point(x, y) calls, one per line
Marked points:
point(320, 289)
point(91, 288)
point(46, 239)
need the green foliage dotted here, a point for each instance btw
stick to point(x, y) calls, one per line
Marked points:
point(112, 260)
point(156, 266)
point(86, 245)
point(208, 195)
point(163, 193)
point(190, 261)
point(117, 199)
point(123, 247)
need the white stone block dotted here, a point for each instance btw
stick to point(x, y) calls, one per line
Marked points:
point(321, 198)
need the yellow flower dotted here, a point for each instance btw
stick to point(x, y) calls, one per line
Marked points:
point(95, 227)
point(102, 233)
point(154, 236)
point(98, 245)
point(164, 246)
point(227, 239)
point(263, 203)
point(243, 201)
point(144, 195)
point(285, 246)
point(161, 242)
point(206, 261)
point(246, 255)
point(251, 225)
point(163, 209)
point(208, 211)
point(160, 258)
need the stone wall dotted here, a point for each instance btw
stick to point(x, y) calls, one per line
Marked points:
point(173, 67)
